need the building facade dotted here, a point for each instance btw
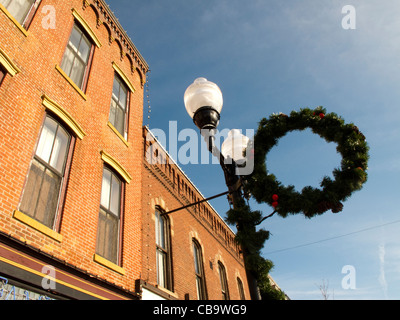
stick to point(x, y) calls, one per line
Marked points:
point(81, 208)
point(190, 253)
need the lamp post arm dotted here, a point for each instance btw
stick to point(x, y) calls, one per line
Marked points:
point(228, 165)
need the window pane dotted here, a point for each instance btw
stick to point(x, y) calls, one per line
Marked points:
point(19, 9)
point(161, 268)
point(75, 38)
point(196, 259)
point(67, 61)
point(199, 289)
point(60, 149)
point(101, 230)
point(224, 283)
point(48, 199)
point(116, 86)
point(107, 236)
point(120, 120)
point(5, 3)
point(77, 72)
point(84, 48)
point(241, 289)
point(41, 194)
point(47, 139)
point(123, 96)
point(113, 112)
point(157, 228)
point(31, 192)
point(106, 189)
point(160, 232)
point(115, 196)
point(111, 239)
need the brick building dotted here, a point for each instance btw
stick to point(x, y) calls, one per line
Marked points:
point(195, 235)
point(81, 208)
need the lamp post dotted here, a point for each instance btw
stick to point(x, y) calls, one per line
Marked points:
point(204, 101)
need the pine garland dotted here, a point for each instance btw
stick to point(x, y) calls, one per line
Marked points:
point(253, 241)
point(352, 145)
point(264, 187)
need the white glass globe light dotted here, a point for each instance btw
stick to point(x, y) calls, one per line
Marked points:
point(235, 145)
point(203, 93)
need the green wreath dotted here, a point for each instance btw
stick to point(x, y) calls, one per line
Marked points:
point(311, 201)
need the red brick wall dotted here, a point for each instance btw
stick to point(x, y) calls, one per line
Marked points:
point(21, 118)
point(161, 189)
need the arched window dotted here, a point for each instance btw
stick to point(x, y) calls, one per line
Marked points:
point(111, 212)
point(163, 251)
point(47, 179)
point(199, 271)
point(224, 281)
point(241, 289)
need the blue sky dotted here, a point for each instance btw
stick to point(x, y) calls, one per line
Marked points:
point(278, 56)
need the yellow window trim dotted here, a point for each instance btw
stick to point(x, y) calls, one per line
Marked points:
point(64, 115)
point(72, 83)
point(7, 63)
point(124, 77)
point(86, 26)
point(117, 133)
point(17, 24)
point(104, 262)
point(37, 225)
point(115, 165)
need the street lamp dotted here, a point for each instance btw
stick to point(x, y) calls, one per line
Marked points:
point(234, 147)
point(203, 101)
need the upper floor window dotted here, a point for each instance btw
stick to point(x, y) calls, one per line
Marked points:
point(111, 209)
point(22, 10)
point(47, 178)
point(224, 282)
point(77, 57)
point(241, 289)
point(120, 106)
point(164, 265)
point(199, 271)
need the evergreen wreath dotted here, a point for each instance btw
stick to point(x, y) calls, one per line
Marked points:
point(351, 144)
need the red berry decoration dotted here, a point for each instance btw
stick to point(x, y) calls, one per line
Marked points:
point(275, 197)
point(275, 204)
point(322, 115)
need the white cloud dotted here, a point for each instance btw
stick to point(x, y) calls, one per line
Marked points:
point(382, 277)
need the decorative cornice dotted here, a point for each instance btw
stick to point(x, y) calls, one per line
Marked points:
point(106, 16)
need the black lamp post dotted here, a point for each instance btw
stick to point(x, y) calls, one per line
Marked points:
point(203, 101)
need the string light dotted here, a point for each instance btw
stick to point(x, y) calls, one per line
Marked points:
point(148, 99)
